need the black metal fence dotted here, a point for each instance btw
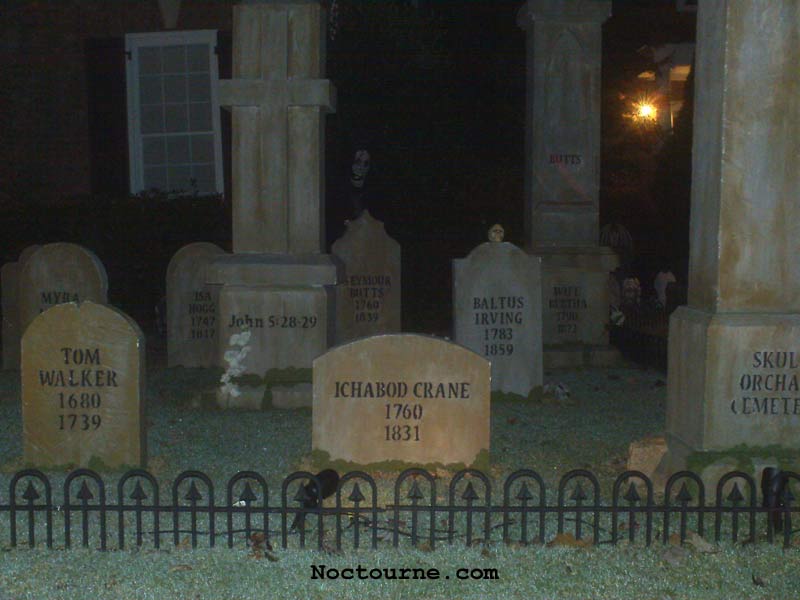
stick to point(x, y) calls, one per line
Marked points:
point(134, 512)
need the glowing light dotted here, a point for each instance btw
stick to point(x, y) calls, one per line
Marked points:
point(646, 111)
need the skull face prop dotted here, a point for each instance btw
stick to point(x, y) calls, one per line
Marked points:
point(360, 169)
point(496, 233)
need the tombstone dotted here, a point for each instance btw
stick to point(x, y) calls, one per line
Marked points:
point(497, 312)
point(277, 284)
point(562, 178)
point(9, 281)
point(192, 306)
point(58, 273)
point(369, 301)
point(734, 351)
point(401, 399)
point(83, 388)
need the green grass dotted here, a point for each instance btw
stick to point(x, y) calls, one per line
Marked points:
point(608, 409)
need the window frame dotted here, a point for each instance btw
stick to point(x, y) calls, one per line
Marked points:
point(134, 41)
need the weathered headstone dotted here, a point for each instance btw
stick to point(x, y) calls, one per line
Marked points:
point(12, 332)
point(58, 273)
point(83, 388)
point(277, 284)
point(734, 351)
point(562, 175)
point(369, 301)
point(401, 398)
point(192, 307)
point(497, 312)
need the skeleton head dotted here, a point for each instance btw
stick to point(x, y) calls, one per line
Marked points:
point(496, 233)
point(360, 168)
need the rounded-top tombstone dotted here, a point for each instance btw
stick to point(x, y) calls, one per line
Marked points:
point(497, 311)
point(58, 273)
point(369, 301)
point(83, 387)
point(192, 307)
point(401, 399)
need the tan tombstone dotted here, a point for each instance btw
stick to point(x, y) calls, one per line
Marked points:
point(58, 273)
point(82, 388)
point(369, 301)
point(401, 398)
point(192, 307)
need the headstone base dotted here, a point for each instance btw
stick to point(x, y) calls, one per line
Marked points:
point(732, 381)
point(286, 302)
point(575, 306)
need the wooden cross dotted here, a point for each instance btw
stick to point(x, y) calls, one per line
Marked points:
point(278, 102)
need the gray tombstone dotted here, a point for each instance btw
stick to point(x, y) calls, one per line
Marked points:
point(9, 280)
point(58, 273)
point(369, 301)
point(83, 388)
point(192, 307)
point(497, 312)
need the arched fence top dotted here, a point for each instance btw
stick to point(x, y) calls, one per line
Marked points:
point(684, 495)
point(469, 493)
point(84, 494)
point(135, 513)
point(247, 494)
point(631, 495)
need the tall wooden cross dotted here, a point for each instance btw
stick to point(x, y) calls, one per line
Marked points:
point(278, 101)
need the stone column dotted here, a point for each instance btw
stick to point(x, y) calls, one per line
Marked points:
point(734, 350)
point(277, 285)
point(562, 140)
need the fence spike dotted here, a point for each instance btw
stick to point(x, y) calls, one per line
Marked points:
point(84, 493)
point(247, 493)
point(415, 493)
point(138, 492)
point(735, 497)
point(632, 495)
point(524, 493)
point(578, 495)
point(193, 495)
point(30, 493)
point(356, 495)
point(683, 494)
point(469, 492)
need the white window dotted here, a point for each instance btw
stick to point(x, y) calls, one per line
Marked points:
point(173, 112)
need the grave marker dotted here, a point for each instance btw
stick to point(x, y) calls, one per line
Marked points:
point(497, 312)
point(9, 280)
point(403, 398)
point(734, 350)
point(58, 273)
point(82, 388)
point(369, 301)
point(192, 307)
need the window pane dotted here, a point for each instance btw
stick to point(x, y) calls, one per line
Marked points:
point(199, 87)
point(178, 149)
point(197, 57)
point(204, 178)
point(200, 116)
point(150, 89)
point(179, 179)
point(174, 59)
point(150, 59)
point(203, 148)
point(155, 178)
point(152, 119)
point(154, 151)
point(174, 88)
point(175, 118)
